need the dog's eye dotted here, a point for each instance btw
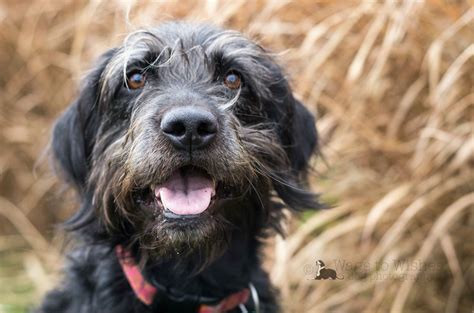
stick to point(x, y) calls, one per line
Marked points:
point(232, 80)
point(136, 80)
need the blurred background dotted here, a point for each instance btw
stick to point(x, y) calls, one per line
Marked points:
point(391, 83)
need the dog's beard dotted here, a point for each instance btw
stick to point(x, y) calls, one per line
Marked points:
point(201, 240)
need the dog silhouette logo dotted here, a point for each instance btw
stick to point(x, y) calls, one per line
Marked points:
point(325, 273)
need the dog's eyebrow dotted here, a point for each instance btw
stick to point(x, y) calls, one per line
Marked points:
point(222, 63)
point(153, 58)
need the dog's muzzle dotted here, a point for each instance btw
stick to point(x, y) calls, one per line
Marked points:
point(189, 190)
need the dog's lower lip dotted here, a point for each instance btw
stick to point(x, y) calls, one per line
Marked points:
point(169, 214)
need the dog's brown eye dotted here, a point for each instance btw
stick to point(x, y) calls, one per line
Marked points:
point(136, 80)
point(232, 80)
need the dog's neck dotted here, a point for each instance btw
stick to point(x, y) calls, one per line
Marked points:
point(228, 273)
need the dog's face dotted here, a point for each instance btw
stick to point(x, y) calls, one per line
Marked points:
point(182, 135)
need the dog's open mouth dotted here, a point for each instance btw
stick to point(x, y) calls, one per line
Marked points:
point(188, 191)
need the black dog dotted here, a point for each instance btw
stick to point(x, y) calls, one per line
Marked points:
point(325, 273)
point(184, 146)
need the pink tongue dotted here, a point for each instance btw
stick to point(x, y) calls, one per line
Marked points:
point(186, 193)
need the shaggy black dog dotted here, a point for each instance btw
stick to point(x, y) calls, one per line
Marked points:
point(184, 145)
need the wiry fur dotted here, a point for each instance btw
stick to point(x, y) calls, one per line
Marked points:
point(108, 146)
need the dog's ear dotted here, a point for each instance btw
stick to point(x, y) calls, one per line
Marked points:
point(300, 140)
point(297, 131)
point(303, 138)
point(297, 128)
point(74, 132)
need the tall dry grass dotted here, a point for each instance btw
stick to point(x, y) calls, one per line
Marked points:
point(392, 85)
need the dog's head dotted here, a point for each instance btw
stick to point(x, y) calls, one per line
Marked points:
point(181, 135)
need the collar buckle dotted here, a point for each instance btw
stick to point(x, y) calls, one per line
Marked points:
point(255, 300)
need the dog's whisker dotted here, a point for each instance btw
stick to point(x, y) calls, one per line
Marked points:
point(257, 193)
point(157, 59)
point(274, 176)
point(230, 104)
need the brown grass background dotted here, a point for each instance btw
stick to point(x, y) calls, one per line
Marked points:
point(392, 86)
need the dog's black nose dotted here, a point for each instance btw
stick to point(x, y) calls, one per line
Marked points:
point(189, 128)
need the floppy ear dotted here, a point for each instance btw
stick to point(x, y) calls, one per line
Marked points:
point(303, 138)
point(300, 139)
point(297, 128)
point(75, 131)
point(297, 131)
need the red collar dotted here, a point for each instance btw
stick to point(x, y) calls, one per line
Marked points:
point(146, 292)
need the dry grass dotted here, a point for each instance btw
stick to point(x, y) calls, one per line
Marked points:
point(392, 85)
